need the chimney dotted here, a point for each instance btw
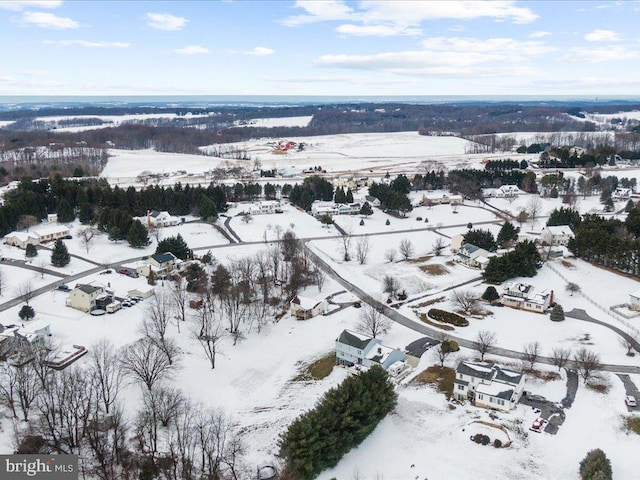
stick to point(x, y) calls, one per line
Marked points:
point(551, 298)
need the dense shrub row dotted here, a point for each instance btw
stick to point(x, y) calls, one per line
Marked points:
point(448, 317)
point(343, 418)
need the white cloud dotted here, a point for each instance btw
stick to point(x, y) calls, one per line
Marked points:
point(600, 54)
point(21, 5)
point(49, 20)
point(165, 21)
point(539, 34)
point(192, 50)
point(87, 44)
point(404, 14)
point(257, 51)
point(497, 46)
point(377, 30)
point(602, 36)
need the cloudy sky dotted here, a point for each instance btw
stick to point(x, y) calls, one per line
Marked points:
point(319, 48)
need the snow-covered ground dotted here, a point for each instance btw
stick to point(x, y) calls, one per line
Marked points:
point(302, 121)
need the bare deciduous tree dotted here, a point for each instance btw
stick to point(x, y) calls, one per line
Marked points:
point(25, 292)
point(438, 246)
point(144, 362)
point(587, 363)
point(406, 248)
point(9, 387)
point(533, 209)
point(443, 350)
point(106, 372)
point(629, 342)
point(485, 341)
point(560, 357)
point(372, 322)
point(345, 246)
point(363, 247)
point(87, 235)
point(158, 316)
point(319, 276)
point(465, 300)
point(531, 352)
point(572, 288)
point(390, 285)
point(179, 302)
point(208, 330)
point(390, 255)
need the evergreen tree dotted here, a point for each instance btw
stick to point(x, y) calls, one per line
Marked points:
point(490, 294)
point(26, 313)
point(557, 313)
point(207, 209)
point(523, 261)
point(326, 219)
point(152, 278)
point(86, 213)
point(65, 212)
point(30, 250)
point(366, 209)
point(175, 245)
point(340, 421)
point(60, 255)
point(564, 216)
point(596, 466)
point(349, 196)
point(482, 239)
point(507, 234)
point(339, 196)
point(137, 236)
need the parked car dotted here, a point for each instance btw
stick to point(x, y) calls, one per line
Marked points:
point(132, 273)
point(63, 287)
point(536, 398)
point(630, 400)
point(123, 271)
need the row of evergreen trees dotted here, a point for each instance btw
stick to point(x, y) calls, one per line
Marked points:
point(523, 261)
point(341, 420)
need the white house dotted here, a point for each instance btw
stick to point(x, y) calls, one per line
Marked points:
point(523, 296)
point(163, 262)
point(373, 201)
point(264, 207)
point(318, 209)
point(472, 256)
point(304, 308)
point(161, 219)
point(556, 235)
point(488, 386)
point(622, 193)
point(503, 191)
point(353, 348)
point(42, 234)
point(438, 198)
point(84, 297)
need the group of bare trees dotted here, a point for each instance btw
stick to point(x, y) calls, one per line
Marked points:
point(79, 410)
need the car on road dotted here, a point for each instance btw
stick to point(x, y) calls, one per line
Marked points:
point(630, 400)
point(123, 271)
point(63, 287)
point(536, 398)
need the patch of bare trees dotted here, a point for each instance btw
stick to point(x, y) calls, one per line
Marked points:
point(484, 342)
point(587, 363)
point(363, 247)
point(406, 249)
point(144, 362)
point(560, 357)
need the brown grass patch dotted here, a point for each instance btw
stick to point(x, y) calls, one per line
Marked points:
point(430, 302)
point(598, 386)
point(567, 264)
point(451, 263)
point(632, 424)
point(423, 318)
point(544, 375)
point(434, 269)
point(424, 258)
point(318, 369)
point(441, 377)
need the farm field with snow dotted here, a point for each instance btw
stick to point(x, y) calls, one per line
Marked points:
point(257, 378)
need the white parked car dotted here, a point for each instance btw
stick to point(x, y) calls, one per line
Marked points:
point(630, 401)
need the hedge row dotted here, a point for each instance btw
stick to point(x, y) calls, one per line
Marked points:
point(448, 317)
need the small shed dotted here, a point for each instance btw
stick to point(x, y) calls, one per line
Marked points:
point(304, 308)
point(142, 291)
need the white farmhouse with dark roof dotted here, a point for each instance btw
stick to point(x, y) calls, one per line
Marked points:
point(556, 235)
point(472, 256)
point(523, 296)
point(354, 348)
point(163, 262)
point(161, 219)
point(488, 386)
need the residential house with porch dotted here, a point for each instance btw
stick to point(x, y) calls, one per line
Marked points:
point(488, 386)
point(523, 296)
point(353, 348)
point(472, 256)
point(556, 235)
point(42, 234)
point(161, 219)
point(162, 262)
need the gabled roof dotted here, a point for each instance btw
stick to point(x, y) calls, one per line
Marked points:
point(164, 257)
point(305, 302)
point(353, 339)
point(495, 389)
point(89, 289)
point(559, 230)
point(475, 370)
point(507, 376)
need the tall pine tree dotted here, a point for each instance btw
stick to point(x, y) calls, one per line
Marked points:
point(60, 256)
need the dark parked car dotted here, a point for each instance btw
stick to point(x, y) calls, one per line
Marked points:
point(63, 287)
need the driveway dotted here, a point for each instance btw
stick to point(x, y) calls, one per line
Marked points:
point(550, 411)
point(630, 389)
point(572, 388)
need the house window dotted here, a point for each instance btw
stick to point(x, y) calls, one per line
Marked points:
point(480, 396)
point(460, 387)
point(460, 376)
point(490, 399)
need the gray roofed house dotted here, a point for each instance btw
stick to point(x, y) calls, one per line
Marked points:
point(353, 348)
point(488, 386)
point(164, 262)
point(84, 297)
point(472, 256)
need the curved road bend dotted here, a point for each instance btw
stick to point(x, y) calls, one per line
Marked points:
point(426, 330)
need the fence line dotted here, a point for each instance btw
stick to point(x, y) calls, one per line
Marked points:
point(606, 310)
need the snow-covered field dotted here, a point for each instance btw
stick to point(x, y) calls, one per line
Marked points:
point(253, 381)
point(275, 122)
